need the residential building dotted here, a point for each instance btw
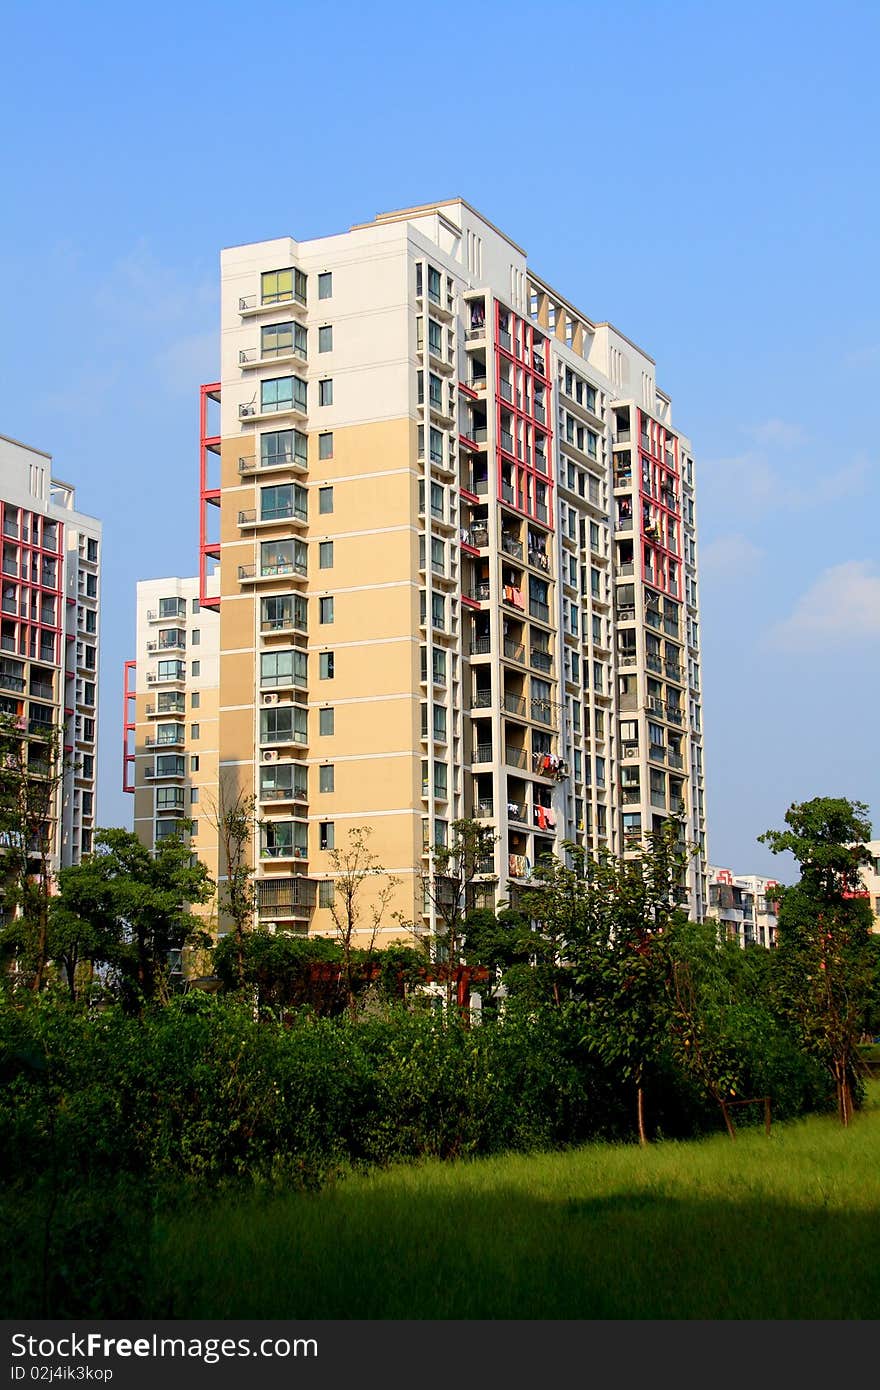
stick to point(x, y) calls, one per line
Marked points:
point(50, 631)
point(744, 906)
point(448, 528)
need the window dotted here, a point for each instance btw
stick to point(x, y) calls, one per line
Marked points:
point(433, 284)
point(326, 666)
point(194, 763)
point(325, 391)
point(283, 340)
point(284, 501)
point(196, 668)
point(283, 447)
point(281, 286)
point(325, 338)
point(284, 724)
point(325, 555)
point(435, 338)
point(326, 892)
point(283, 393)
point(325, 778)
point(195, 700)
point(325, 284)
point(195, 605)
point(195, 637)
point(326, 722)
point(438, 661)
point(325, 610)
point(284, 669)
point(325, 445)
point(327, 834)
point(283, 557)
point(440, 781)
point(325, 499)
point(193, 730)
point(193, 796)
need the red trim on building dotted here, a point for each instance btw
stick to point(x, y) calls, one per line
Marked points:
point(208, 496)
point(129, 695)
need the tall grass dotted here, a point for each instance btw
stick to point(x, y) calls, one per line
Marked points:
point(767, 1228)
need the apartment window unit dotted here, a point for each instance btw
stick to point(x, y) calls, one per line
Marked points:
point(325, 284)
point(283, 340)
point(325, 391)
point(283, 557)
point(193, 798)
point(325, 500)
point(280, 611)
point(282, 286)
point(325, 610)
point(327, 834)
point(326, 722)
point(326, 666)
point(194, 731)
point(325, 339)
point(435, 338)
point(325, 555)
point(326, 892)
point(169, 733)
point(195, 606)
point(592, 444)
point(325, 445)
point(194, 763)
point(91, 619)
point(169, 798)
point(283, 669)
point(195, 699)
point(87, 766)
point(436, 445)
point(170, 765)
point(284, 839)
point(284, 724)
point(92, 551)
point(434, 283)
point(326, 779)
point(284, 782)
point(195, 637)
point(283, 393)
point(169, 671)
point(283, 447)
point(284, 502)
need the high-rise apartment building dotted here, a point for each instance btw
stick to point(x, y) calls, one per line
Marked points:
point(449, 539)
point(50, 631)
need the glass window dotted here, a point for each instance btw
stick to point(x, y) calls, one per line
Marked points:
point(194, 731)
point(326, 666)
point(325, 500)
point(326, 721)
point(283, 393)
point(325, 284)
point(282, 502)
point(325, 338)
point(284, 724)
point(282, 340)
point(325, 391)
point(283, 446)
point(283, 557)
point(327, 834)
point(325, 778)
point(325, 445)
point(326, 892)
point(325, 609)
point(325, 555)
point(196, 668)
point(283, 669)
point(280, 286)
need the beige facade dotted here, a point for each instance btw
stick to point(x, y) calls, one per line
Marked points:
point(871, 880)
point(456, 564)
point(50, 638)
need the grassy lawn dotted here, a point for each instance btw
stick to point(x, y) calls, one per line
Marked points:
point(780, 1227)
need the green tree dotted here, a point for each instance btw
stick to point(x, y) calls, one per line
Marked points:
point(31, 770)
point(354, 865)
point(604, 918)
point(233, 817)
point(824, 958)
point(137, 904)
point(452, 888)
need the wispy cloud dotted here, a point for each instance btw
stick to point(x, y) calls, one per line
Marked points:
point(782, 434)
point(749, 482)
point(732, 557)
point(841, 606)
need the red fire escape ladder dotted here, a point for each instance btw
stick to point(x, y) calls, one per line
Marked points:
point(208, 496)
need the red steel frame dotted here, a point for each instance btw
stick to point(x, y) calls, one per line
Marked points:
point(28, 630)
point(525, 341)
point(208, 496)
point(128, 724)
point(658, 458)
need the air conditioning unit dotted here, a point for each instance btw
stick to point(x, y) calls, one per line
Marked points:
point(270, 755)
point(270, 699)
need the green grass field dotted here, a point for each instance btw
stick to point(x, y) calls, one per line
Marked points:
point(780, 1227)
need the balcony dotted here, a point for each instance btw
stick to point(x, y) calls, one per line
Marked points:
point(515, 705)
point(483, 753)
point(173, 678)
point(542, 711)
point(516, 757)
point(9, 682)
point(250, 574)
point(172, 614)
point(164, 711)
point(252, 463)
point(250, 305)
point(675, 759)
point(279, 853)
point(481, 646)
point(514, 651)
point(541, 659)
point(274, 517)
point(165, 740)
point(252, 413)
point(485, 808)
point(481, 699)
point(248, 358)
point(504, 340)
point(280, 627)
point(480, 592)
point(512, 547)
point(539, 610)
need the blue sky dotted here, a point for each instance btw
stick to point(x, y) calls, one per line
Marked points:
point(704, 176)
